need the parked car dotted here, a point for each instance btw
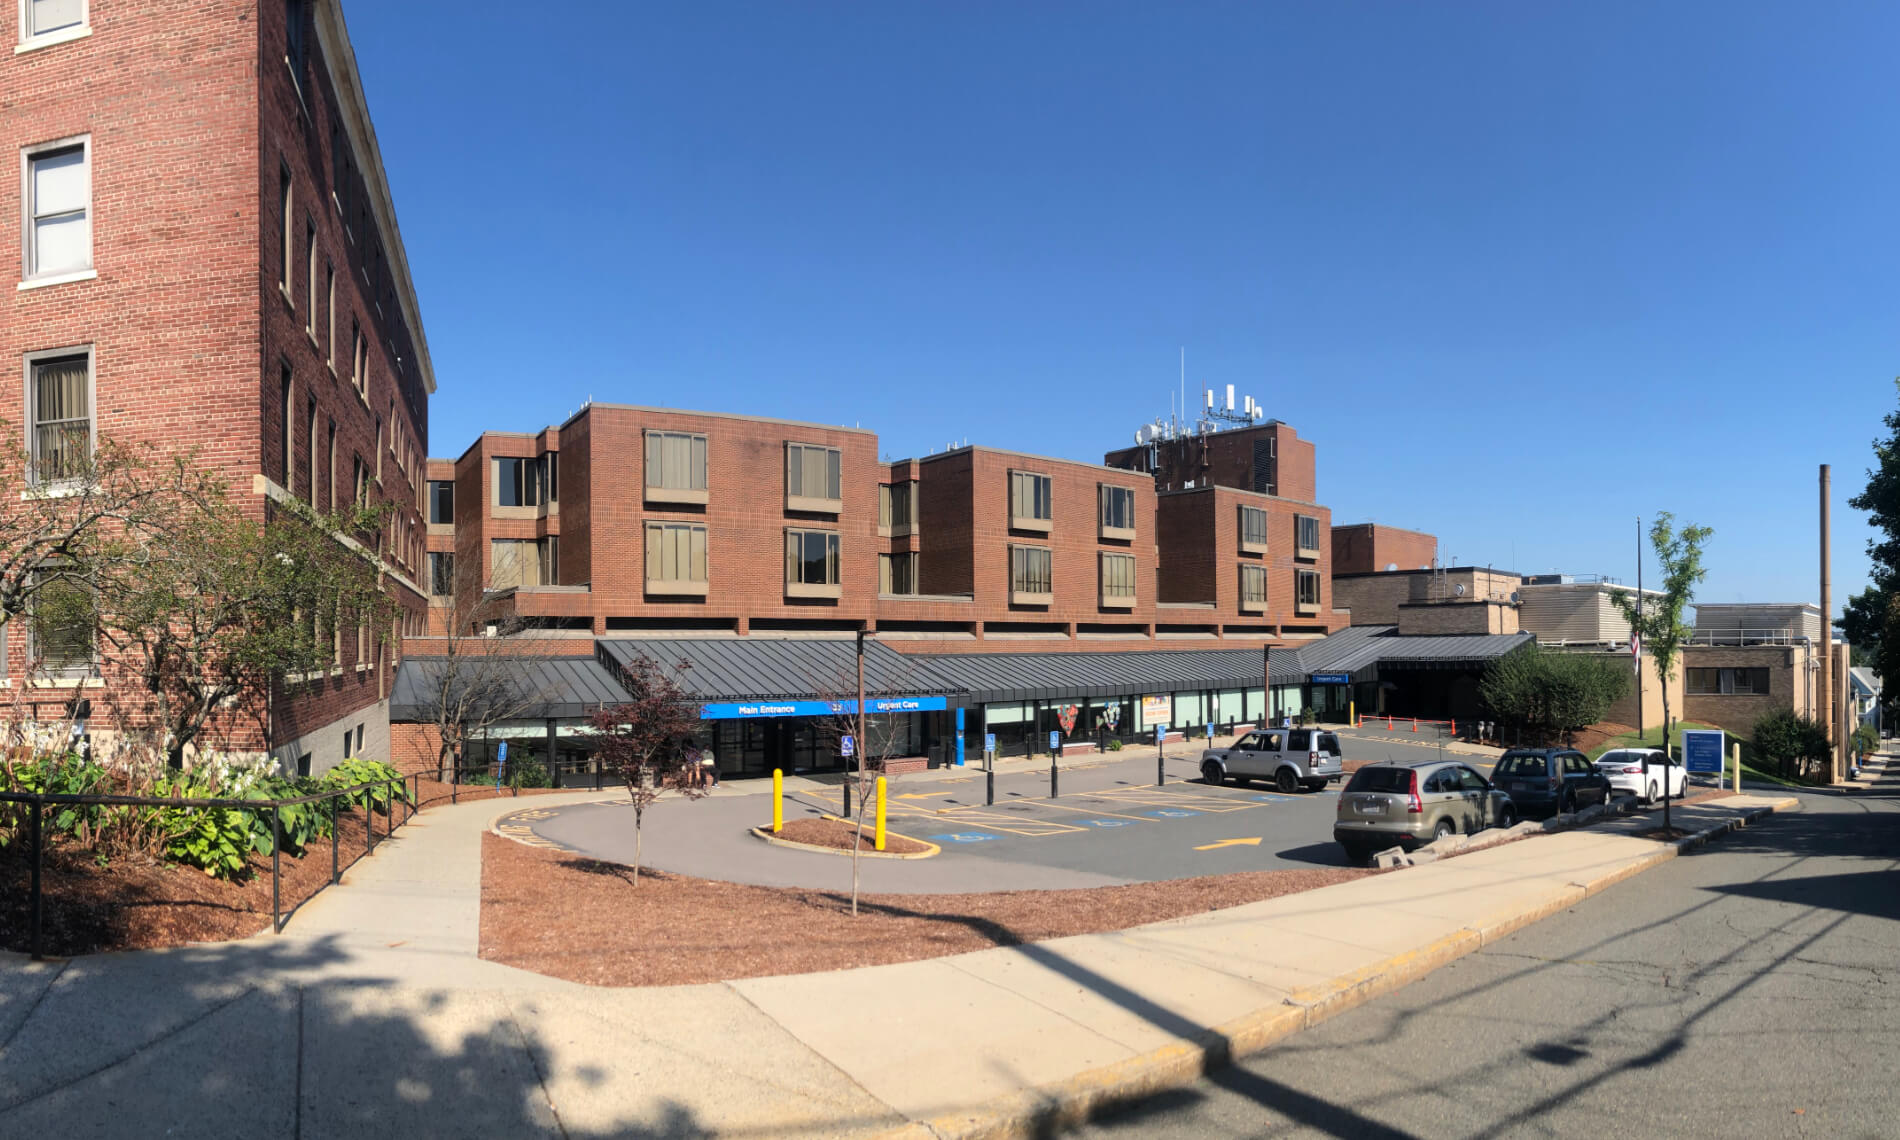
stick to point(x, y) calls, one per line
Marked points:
point(1406, 803)
point(1293, 758)
point(1543, 781)
point(1625, 768)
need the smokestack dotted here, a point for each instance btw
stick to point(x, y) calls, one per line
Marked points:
point(1826, 706)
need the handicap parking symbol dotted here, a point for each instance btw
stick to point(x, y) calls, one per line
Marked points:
point(1108, 822)
point(965, 837)
point(1170, 813)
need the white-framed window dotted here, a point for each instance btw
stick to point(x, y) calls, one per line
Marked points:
point(59, 387)
point(56, 195)
point(676, 552)
point(329, 309)
point(811, 557)
point(287, 199)
point(1029, 570)
point(290, 425)
point(310, 282)
point(51, 21)
point(63, 629)
point(297, 41)
point(1118, 575)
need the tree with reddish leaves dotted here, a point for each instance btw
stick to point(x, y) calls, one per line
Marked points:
point(643, 742)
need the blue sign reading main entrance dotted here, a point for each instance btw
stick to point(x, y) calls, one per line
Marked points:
point(735, 710)
point(1331, 678)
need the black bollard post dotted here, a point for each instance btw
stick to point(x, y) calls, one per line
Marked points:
point(989, 787)
point(847, 795)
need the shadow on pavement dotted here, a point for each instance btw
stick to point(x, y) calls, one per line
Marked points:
point(1320, 854)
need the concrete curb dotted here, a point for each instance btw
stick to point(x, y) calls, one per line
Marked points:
point(1066, 1104)
point(766, 834)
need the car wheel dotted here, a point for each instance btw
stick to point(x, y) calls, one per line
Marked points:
point(1506, 817)
point(1445, 827)
point(1567, 805)
point(1286, 782)
point(1356, 854)
point(1652, 791)
point(1212, 775)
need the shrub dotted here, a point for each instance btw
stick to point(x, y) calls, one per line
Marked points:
point(67, 775)
point(1789, 743)
point(1114, 746)
point(1547, 692)
point(386, 784)
point(1866, 740)
point(528, 772)
point(216, 841)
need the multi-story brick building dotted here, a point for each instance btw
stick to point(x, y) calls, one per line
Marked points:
point(1368, 548)
point(210, 261)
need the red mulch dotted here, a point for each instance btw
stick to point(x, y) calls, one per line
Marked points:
point(587, 921)
point(139, 903)
point(838, 835)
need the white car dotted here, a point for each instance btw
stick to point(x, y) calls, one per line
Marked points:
point(1624, 767)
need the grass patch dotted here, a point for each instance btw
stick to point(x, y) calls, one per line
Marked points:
point(1652, 738)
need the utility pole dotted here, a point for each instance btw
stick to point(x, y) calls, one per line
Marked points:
point(1825, 711)
point(862, 634)
point(1266, 686)
point(1636, 637)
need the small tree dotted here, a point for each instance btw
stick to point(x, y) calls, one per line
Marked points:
point(472, 680)
point(640, 742)
point(1788, 742)
point(885, 737)
point(1552, 693)
point(1658, 621)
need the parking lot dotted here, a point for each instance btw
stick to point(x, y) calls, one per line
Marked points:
point(1109, 824)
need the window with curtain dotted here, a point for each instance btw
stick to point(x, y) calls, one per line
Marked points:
point(1029, 496)
point(64, 623)
point(1118, 507)
point(676, 552)
point(1118, 575)
point(811, 557)
point(515, 562)
point(58, 208)
point(813, 472)
point(61, 431)
point(1029, 570)
point(1253, 584)
point(896, 504)
point(1253, 526)
point(1308, 532)
point(1306, 587)
point(44, 17)
point(676, 461)
point(897, 573)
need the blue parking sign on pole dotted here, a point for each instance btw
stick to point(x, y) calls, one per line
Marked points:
point(847, 746)
point(1055, 740)
point(989, 742)
point(501, 761)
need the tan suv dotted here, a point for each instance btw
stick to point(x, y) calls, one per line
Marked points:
point(1403, 805)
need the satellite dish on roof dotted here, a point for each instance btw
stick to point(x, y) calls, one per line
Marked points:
point(1458, 590)
point(1391, 566)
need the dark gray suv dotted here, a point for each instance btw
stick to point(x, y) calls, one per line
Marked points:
point(1545, 781)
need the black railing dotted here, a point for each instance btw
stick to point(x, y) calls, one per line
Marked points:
point(38, 801)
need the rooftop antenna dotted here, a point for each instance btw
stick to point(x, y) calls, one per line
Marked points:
point(1184, 385)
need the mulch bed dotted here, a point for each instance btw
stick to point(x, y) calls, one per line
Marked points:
point(139, 903)
point(839, 834)
point(586, 921)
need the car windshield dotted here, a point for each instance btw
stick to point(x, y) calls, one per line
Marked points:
point(1618, 757)
point(1381, 780)
point(1521, 766)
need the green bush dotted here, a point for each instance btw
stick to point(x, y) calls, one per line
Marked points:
point(299, 824)
point(1866, 740)
point(1114, 746)
point(1547, 692)
point(386, 784)
point(66, 775)
point(1787, 743)
point(527, 772)
point(214, 840)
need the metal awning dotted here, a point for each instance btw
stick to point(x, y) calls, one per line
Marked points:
point(766, 668)
point(527, 686)
point(992, 677)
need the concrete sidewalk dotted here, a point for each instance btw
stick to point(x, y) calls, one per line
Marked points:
point(373, 1013)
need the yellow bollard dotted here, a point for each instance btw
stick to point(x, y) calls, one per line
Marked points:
point(778, 801)
point(1352, 712)
point(880, 813)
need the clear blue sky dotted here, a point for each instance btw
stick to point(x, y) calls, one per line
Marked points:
point(1522, 272)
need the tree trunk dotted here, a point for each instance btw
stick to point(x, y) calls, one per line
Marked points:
point(639, 815)
point(1668, 758)
point(857, 842)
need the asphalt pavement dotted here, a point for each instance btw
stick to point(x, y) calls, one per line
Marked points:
point(1111, 824)
point(1743, 990)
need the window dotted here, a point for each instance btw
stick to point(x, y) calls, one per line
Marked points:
point(896, 506)
point(296, 40)
point(441, 502)
point(811, 558)
point(379, 451)
point(1029, 501)
point(43, 18)
point(897, 573)
point(1118, 578)
point(287, 195)
point(676, 556)
point(1253, 530)
point(290, 428)
point(59, 397)
point(1029, 571)
point(812, 472)
point(676, 464)
point(359, 482)
point(1306, 531)
point(329, 310)
point(58, 196)
point(1306, 591)
point(551, 475)
point(310, 282)
point(359, 358)
point(550, 555)
point(522, 562)
point(64, 619)
point(1727, 682)
point(517, 483)
point(441, 574)
point(1118, 512)
point(313, 452)
point(1253, 587)
point(330, 490)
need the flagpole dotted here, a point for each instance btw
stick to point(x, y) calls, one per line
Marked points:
point(1636, 644)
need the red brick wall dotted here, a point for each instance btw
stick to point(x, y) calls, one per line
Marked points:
point(1226, 459)
point(1366, 548)
point(1202, 558)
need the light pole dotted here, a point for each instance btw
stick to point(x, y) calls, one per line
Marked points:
point(858, 752)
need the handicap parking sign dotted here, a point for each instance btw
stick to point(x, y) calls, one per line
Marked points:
point(1108, 822)
point(964, 837)
point(989, 742)
point(1171, 813)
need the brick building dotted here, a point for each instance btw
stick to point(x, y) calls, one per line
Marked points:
point(210, 261)
point(1367, 548)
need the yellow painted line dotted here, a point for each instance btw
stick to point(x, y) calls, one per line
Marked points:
point(1217, 845)
point(1211, 804)
point(1059, 806)
point(1015, 825)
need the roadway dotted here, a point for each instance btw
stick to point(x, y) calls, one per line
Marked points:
point(1741, 990)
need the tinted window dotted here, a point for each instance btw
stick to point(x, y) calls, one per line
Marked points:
point(1249, 742)
point(1521, 766)
point(1381, 780)
point(1440, 781)
point(1300, 739)
point(1470, 781)
point(1328, 742)
point(1269, 742)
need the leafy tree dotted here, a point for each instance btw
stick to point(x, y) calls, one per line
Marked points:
point(1863, 619)
point(642, 742)
point(1868, 620)
point(1547, 692)
point(230, 607)
point(1658, 621)
point(1789, 743)
point(469, 678)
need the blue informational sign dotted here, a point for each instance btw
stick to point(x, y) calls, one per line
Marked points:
point(989, 742)
point(1161, 734)
point(1055, 740)
point(501, 761)
point(959, 738)
point(1331, 678)
point(737, 710)
point(847, 746)
point(1702, 751)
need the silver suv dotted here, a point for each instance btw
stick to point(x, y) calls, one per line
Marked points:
point(1293, 758)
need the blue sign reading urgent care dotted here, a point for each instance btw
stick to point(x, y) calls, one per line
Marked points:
point(1331, 678)
point(737, 710)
